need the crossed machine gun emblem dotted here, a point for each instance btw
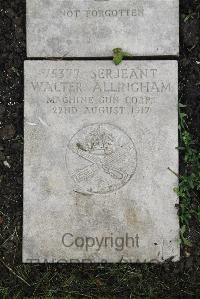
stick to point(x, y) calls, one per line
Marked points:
point(111, 159)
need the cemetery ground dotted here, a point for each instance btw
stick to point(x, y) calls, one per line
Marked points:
point(167, 280)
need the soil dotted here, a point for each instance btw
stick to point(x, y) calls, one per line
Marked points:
point(170, 280)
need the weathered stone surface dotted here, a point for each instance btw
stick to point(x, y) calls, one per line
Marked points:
point(92, 28)
point(99, 140)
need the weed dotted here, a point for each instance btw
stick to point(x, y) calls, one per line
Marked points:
point(119, 55)
point(189, 181)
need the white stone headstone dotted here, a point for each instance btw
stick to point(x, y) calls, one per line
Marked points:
point(100, 141)
point(93, 28)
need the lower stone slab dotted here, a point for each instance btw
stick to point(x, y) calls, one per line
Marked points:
point(99, 161)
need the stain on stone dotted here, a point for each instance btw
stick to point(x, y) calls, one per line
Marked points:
point(102, 32)
point(67, 4)
point(131, 216)
point(45, 185)
point(55, 45)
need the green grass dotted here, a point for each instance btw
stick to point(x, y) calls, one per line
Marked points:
point(189, 181)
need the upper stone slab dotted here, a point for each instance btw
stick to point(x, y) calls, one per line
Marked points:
point(92, 28)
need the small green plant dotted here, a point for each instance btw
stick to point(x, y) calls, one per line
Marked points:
point(189, 181)
point(119, 55)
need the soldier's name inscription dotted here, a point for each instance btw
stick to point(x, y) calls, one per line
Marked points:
point(64, 90)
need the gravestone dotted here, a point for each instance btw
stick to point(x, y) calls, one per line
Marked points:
point(92, 28)
point(100, 161)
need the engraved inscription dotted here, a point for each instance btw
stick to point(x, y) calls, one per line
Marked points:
point(105, 156)
point(108, 91)
point(100, 13)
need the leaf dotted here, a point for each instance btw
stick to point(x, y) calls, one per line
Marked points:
point(182, 230)
point(119, 54)
point(183, 114)
point(117, 50)
point(126, 54)
point(117, 58)
point(185, 241)
point(180, 148)
point(182, 106)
